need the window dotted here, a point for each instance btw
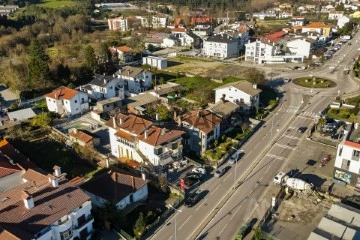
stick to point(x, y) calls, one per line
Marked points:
point(340, 151)
point(356, 153)
point(174, 145)
point(66, 234)
point(75, 101)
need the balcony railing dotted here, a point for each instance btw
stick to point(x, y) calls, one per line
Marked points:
point(87, 220)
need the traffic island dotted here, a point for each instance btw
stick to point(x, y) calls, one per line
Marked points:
point(314, 82)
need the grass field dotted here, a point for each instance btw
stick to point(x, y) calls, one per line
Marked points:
point(55, 3)
point(314, 83)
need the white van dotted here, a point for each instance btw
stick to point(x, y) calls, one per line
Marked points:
point(219, 172)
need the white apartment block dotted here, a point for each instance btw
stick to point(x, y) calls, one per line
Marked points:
point(335, 15)
point(157, 21)
point(300, 47)
point(158, 62)
point(258, 50)
point(118, 24)
point(342, 21)
point(66, 101)
point(222, 46)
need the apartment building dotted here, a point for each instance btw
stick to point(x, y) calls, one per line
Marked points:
point(222, 46)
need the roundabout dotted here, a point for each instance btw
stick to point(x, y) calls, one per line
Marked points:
point(314, 82)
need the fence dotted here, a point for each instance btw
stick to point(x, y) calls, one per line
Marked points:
point(123, 234)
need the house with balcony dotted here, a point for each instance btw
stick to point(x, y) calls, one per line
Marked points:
point(347, 161)
point(243, 93)
point(67, 101)
point(122, 189)
point(136, 80)
point(118, 24)
point(318, 28)
point(123, 53)
point(104, 87)
point(45, 207)
point(202, 128)
point(135, 138)
point(221, 45)
point(297, 21)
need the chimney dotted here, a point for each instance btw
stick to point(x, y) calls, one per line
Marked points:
point(57, 170)
point(75, 130)
point(107, 162)
point(28, 200)
point(56, 96)
point(53, 180)
point(146, 134)
point(133, 182)
point(157, 117)
point(254, 85)
point(105, 81)
point(121, 121)
point(114, 122)
point(163, 131)
point(143, 175)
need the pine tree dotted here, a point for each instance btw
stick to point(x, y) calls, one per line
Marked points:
point(38, 68)
point(90, 58)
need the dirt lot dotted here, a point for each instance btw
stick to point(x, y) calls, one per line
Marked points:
point(205, 68)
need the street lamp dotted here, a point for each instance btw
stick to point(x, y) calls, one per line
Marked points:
point(237, 158)
point(176, 210)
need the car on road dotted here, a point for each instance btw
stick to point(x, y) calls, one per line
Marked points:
point(200, 170)
point(302, 129)
point(219, 172)
point(194, 176)
point(192, 200)
point(236, 157)
point(286, 80)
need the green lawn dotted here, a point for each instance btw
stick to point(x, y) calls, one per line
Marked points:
point(238, 134)
point(344, 114)
point(56, 3)
point(218, 152)
point(46, 153)
point(314, 82)
point(353, 101)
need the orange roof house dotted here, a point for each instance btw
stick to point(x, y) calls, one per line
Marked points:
point(62, 93)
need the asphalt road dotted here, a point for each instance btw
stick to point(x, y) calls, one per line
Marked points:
point(265, 154)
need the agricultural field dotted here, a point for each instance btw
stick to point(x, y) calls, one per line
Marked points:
point(55, 3)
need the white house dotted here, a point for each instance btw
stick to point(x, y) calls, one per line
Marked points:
point(256, 51)
point(335, 15)
point(243, 93)
point(156, 21)
point(203, 128)
point(135, 138)
point(263, 15)
point(67, 101)
point(118, 24)
point(122, 189)
point(342, 21)
point(300, 47)
point(347, 162)
point(158, 62)
point(170, 41)
point(222, 45)
point(202, 30)
point(297, 21)
point(104, 87)
point(63, 210)
point(285, 14)
point(123, 53)
point(136, 80)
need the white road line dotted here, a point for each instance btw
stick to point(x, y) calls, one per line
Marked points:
point(235, 213)
point(222, 230)
point(284, 146)
point(261, 178)
point(267, 169)
point(291, 137)
point(184, 223)
point(274, 156)
point(214, 190)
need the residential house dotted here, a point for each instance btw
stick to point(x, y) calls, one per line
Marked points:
point(106, 107)
point(83, 138)
point(347, 162)
point(201, 20)
point(285, 14)
point(121, 189)
point(67, 101)
point(123, 53)
point(221, 45)
point(225, 110)
point(335, 15)
point(136, 80)
point(317, 27)
point(202, 30)
point(328, 8)
point(21, 115)
point(167, 92)
point(8, 9)
point(202, 127)
point(45, 207)
point(138, 104)
point(153, 61)
point(300, 47)
point(256, 51)
point(170, 41)
point(104, 87)
point(263, 15)
point(342, 21)
point(156, 21)
point(136, 138)
point(118, 24)
point(297, 21)
point(187, 38)
point(243, 93)
point(285, 6)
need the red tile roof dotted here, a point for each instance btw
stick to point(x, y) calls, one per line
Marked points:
point(81, 136)
point(127, 136)
point(275, 37)
point(352, 144)
point(203, 120)
point(158, 136)
point(6, 168)
point(50, 204)
point(178, 30)
point(130, 123)
point(113, 186)
point(124, 49)
point(11, 152)
point(62, 93)
point(316, 25)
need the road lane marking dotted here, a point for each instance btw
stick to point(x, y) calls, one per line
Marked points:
point(284, 146)
point(214, 190)
point(184, 222)
point(235, 213)
point(222, 229)
point(267, 169)
point(226, 177)
point(292, 137)
point(275, 157)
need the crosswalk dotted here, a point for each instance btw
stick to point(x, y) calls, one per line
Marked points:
point(297, 110)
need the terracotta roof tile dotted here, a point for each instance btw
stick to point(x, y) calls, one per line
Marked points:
point(203, 120)
point(81, 136)
point(158, 136)
point(113, 186)
point(178, 30)
point(11, 152)
point(6, 168)
point(130, 123)
point(316, 25)
point(124, 49)
point(127, 136)
point(62, 93)
point(51, 204)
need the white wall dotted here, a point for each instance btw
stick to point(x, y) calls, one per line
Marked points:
point(159, 63)
point(11, 181)
point(347, 153)
point(232, 94)
point(342, 21)
point(256, 50)
point(134, 83)
point(54, 105)
point(222, 50)
point(299, 47)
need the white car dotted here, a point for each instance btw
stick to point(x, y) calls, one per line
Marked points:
point(200, 170)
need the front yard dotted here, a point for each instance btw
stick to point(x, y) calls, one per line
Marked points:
point(219, 151)
point(343, 113)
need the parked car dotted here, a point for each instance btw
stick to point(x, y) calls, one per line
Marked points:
point(287, 80)
point(302, 129)
point(193, 175)
point(336, 136)
point(192, 199)
point(219, 172)
point(236, 157)
point(201, 170)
